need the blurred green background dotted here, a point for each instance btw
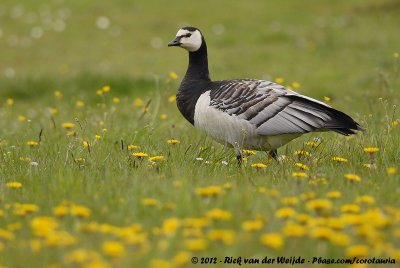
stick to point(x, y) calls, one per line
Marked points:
point(332, 48)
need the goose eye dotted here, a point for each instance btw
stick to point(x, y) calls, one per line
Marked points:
point(188, 35)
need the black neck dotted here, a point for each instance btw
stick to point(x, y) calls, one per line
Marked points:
point(198, 64)
point(194, 83)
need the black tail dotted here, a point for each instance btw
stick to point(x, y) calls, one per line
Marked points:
point(334, 120)
point(341, 123)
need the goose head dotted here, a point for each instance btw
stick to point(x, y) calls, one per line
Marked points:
point(189, 38)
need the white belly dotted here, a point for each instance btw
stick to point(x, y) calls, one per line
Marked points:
point(233, 131)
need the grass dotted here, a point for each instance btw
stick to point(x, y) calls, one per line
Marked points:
point(81, 198)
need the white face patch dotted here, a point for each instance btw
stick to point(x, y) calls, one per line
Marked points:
point(191, 43)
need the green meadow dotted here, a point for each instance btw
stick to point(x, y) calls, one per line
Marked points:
point(98, 168)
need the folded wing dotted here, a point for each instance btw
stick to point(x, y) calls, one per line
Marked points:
point(274, 110)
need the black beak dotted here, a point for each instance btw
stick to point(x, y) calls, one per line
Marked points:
point(176, 42)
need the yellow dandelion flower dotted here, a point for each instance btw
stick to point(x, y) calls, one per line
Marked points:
point(53, 111)
point(391, 170)
point(312, 143)
point(27, 208)
point(197, 244)
point(357, 251)
point(68, 125)
point(97, 137)
point(219, 214)
point(350, 208)
point(9, 102)
point(157, 158)
point(365, 199)
point(299, 174)
point(173, 75)
point(294, 230)
point(80, 256)
point(60, 211)
point(302, 153)
point(43, 225)
point(6, 235)
point(307, 196)
point(395, 123)
point(21, 118)
point(258, 165)
point(252, 225)
point(32, 143)
point(227, 237)
point(80, 211)
point(212, 190)
point(132, 147)
point(303, 218)
point(150, 202)
point(295, 85)
point(279, 80)
point(371, 150)
point(396, 55)
point(180, 259)
point(140, 154)
point(72, 133)
point(13, 184)
point(323, 233)
point(116, 100)
point(339, 159)
point(335, 223)
point(249, 152)
point(85, 144)
point(172, 98)
point(319, 205)
point(99, 92)
point(106, 88)
point(301, 166)
point(334, 194)
point(173, 141)
point(352, 177)
point(285, 212)
point(340, 239)
point(170, 226)
point(163, 116)
point(272, 240)
point(290, 200)
point(79, 104)
point(138, 102)
point(196, 223)
point(261, 189)
point(113, 249)
point(58, 95)
point(327, 99)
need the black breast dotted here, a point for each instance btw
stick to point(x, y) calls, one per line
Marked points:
point(188, 95)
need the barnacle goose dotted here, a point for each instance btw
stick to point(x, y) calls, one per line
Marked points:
point(248, 113)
